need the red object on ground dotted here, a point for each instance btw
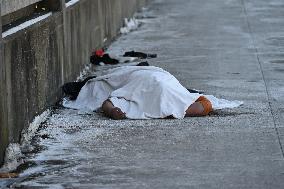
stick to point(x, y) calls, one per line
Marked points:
point(100, 52)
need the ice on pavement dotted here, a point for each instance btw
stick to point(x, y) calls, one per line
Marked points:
point(14, 154)
point(29, 133)
point(13, 157)
point(129, 25)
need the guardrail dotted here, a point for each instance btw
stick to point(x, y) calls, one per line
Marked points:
point(9, 6)
point(16, 12)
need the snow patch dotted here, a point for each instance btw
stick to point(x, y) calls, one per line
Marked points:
point(29, 133)
point(72, 2)
point(13, 158)
point(86, 71)
point(129, 25)
point(25, 25)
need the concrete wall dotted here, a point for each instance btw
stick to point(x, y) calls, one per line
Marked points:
point(36, 61)
point(3, 105)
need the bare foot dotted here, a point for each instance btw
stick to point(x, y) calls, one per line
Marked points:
point(111, 111)
point(195, 109)
point(117, 114)
point(201, 107)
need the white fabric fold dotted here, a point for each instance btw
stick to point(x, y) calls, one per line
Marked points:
point(142, 92)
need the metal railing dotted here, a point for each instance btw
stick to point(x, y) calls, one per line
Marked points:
point(15, 12)
point(9, 6)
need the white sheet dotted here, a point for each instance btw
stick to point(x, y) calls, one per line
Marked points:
point(142, 92)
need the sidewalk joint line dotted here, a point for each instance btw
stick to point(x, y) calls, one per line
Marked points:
point(263, 77)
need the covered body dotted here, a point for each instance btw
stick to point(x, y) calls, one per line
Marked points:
point(142, 92)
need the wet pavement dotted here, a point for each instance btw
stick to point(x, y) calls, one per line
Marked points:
point(232, 49)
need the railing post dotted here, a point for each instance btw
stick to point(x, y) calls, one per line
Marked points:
point(56, 5)
point(1, 27)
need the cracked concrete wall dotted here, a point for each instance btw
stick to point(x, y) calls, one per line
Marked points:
point(36, 61)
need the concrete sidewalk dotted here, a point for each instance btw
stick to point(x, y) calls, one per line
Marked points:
point(232, 49)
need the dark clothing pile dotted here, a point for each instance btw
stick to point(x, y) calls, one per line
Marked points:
point(99, 56)
point(106, 59)
point(140, 55)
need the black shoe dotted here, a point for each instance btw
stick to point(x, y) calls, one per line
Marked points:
point(139, 55)
point(143, 64)
point(106, 59)
point(195, 91)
